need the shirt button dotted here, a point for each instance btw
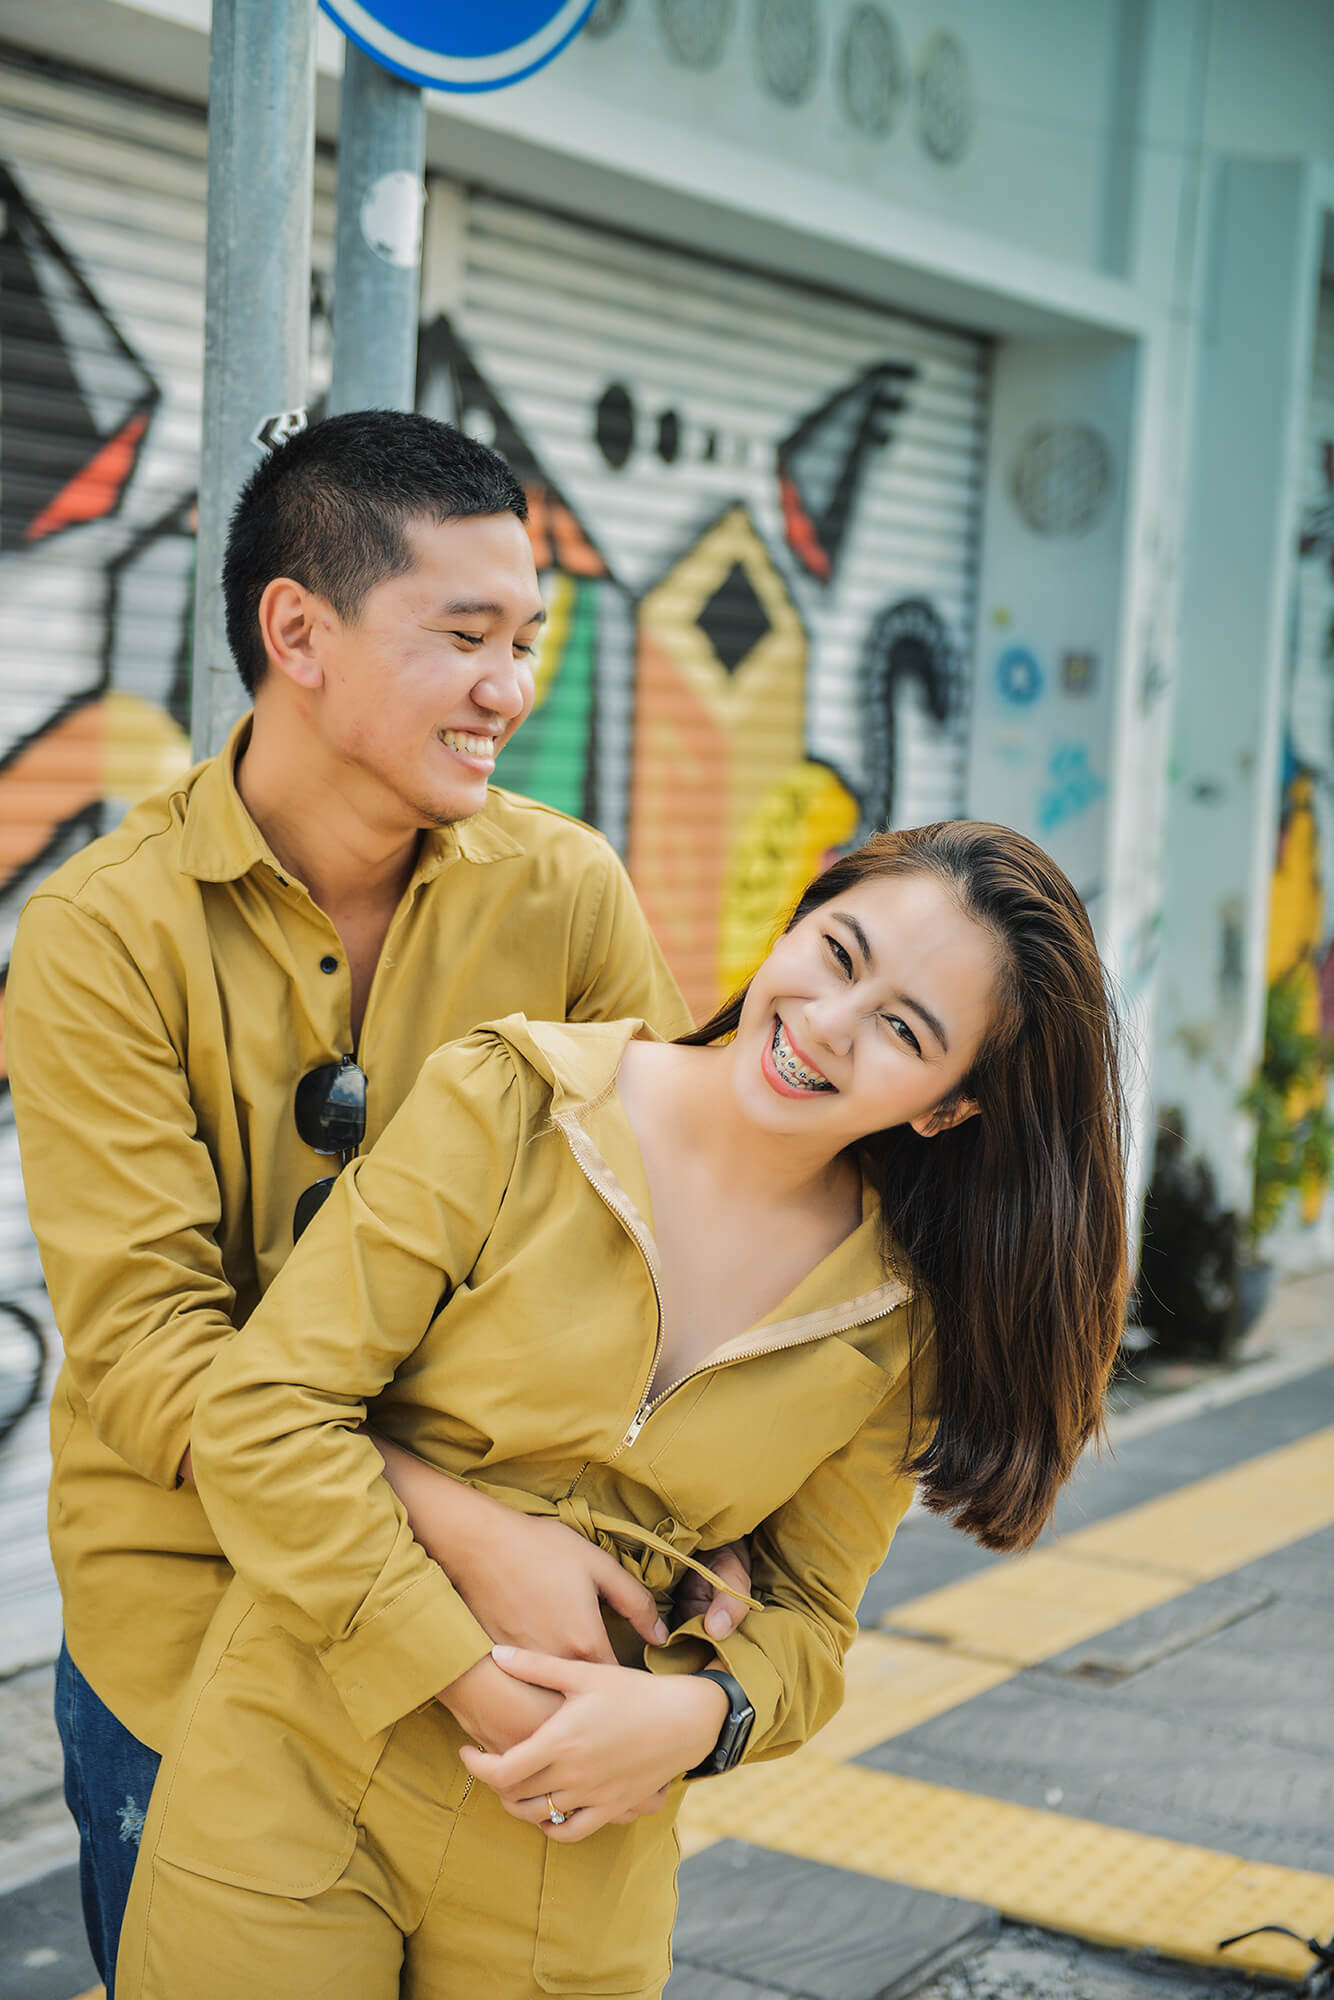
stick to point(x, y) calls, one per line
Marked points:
point(328, 963)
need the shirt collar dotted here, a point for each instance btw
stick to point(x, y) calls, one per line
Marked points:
point(220, 841)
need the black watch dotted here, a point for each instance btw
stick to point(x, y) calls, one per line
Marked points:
point(735, 1732)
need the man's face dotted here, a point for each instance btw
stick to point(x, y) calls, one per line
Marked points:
point(421, 690)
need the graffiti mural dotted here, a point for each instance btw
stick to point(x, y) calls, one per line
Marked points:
point(1301, 937)
point(735, 681)
point(708, 776)
point(96, 569)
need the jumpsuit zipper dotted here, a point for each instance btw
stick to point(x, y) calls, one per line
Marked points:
point(649, 1404)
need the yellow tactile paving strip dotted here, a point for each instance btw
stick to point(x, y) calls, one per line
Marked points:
point(1093, 1881)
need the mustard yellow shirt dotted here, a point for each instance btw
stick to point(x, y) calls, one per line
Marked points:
point(484, 1287)
point(169, 986)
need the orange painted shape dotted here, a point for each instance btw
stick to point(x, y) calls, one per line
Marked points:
point(537, 527)
point(57, 776)
point(680, 781)
point(95, 490)
point(574, 552)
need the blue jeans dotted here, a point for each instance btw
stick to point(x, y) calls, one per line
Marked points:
point(108, 1778)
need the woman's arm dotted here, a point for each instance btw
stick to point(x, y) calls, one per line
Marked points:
point(812, 1561)
point(290, 1478)
point(607, 1755)
point(537, 1584)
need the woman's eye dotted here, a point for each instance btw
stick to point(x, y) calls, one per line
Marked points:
point(842, 957)
point(471, 638)
point(904, 1032)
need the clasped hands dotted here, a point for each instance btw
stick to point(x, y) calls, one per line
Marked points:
point(550, 1709)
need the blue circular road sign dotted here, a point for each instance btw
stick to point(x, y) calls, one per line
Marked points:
point(457, 45)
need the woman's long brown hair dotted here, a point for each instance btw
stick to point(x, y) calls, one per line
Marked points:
point(1013, 1222)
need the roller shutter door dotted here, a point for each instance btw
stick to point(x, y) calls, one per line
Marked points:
point(101, 338)
point(756, 509)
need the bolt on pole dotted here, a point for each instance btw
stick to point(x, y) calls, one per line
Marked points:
point(377, 268)
point(261, 135)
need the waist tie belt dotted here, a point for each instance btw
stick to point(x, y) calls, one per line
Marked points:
point(656, 1562)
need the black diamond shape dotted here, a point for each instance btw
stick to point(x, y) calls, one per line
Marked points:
point(733, 620)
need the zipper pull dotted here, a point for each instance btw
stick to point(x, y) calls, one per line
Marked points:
point(641, 1418)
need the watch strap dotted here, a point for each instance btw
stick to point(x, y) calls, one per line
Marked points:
point(735, 1732)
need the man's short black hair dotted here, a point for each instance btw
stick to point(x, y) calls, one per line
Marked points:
point(330, 507)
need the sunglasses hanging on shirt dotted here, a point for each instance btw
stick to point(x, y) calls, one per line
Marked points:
point(330, 1110)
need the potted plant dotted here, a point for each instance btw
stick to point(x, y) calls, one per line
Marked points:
point(1294, 1132)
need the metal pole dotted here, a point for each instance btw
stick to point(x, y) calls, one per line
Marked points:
point(261, 133)
point(377, 269)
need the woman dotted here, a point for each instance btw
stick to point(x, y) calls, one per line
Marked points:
point(863, 1228)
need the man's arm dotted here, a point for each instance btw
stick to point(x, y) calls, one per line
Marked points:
point(121, 1191)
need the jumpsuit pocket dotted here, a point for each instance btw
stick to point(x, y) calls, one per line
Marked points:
point(266, 1780)
point(608, 1904)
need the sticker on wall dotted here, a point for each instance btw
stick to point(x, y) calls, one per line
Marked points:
point(608, 14)
point(391, 218)
point(1079, 673)
point(872, 71)
point(696, 31)
point(1019, 677)
point(946, 110)
point(1061, 478)
point(787, 48)
point(1072, 786)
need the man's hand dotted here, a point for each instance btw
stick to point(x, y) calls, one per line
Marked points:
point(695, 1595)
point(530, 1582)
point(608, 1755)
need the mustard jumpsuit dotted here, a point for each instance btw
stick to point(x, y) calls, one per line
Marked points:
point(313, 1832)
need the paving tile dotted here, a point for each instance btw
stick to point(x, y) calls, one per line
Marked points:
point(1086, 1752)
point(1164, 1630)
point(1147, 1467)
point(1270, 1678)
point(797, 1928)
point(42, 1951)
point(697, 1982)
point(1023, 1964)
point(924, 1555)
point(1301, 1571)
point(928, 1554)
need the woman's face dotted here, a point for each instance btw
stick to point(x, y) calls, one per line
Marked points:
point(867, 1014)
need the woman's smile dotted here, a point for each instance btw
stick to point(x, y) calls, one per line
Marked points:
point(788, 1069)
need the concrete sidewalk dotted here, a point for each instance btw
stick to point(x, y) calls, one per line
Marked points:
point(1050, 1770)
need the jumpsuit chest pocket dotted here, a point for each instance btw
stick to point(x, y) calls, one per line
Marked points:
point(756, 1430)
point(607, 1909)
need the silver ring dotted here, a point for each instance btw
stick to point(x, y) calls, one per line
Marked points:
point(554, 1816)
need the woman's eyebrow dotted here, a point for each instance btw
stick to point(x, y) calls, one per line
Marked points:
point(924, 1014)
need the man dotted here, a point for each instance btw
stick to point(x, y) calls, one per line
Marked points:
point(186, 1000)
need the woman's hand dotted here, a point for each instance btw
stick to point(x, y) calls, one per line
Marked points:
point(617, 1741)
point(528, 1582)
point(495, 1709)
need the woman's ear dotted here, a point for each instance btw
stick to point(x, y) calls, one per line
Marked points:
point(945, 1117)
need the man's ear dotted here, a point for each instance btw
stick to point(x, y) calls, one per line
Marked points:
point(292, 620)
point(944, 1118)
